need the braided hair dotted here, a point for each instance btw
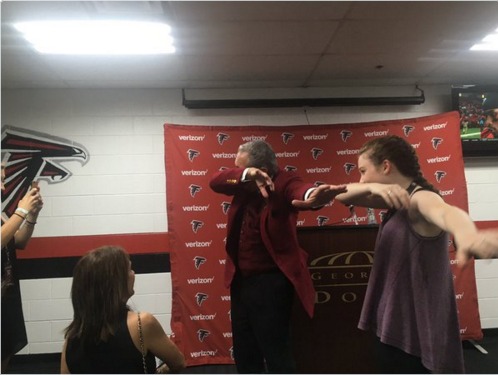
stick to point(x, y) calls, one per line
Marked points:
point(401, 154)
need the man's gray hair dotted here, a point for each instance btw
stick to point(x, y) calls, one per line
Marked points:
point(260, 155)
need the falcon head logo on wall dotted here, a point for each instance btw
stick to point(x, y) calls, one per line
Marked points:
point(202, 334)
point(33, 156)
point(192, 154)
point(345, 135)
point(194, 189)
point(196, 225)
point(348, 168)
point(200, 298)
point(439, 175)
point(222, 137)
point(436, 142)
point(290, 168)
point(286, 137)
point(407, 129)
point(225, 206)
point(316, 152)
point(199, 261)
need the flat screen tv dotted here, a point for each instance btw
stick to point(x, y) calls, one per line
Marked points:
point(478, 108)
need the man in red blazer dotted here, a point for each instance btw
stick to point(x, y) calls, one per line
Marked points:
point(265, 265)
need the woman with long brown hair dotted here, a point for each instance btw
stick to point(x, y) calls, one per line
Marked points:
point(105, 336)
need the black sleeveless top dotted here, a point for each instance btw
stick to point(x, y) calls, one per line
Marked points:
point(116, 356)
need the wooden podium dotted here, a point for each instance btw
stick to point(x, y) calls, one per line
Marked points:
point(340, 260)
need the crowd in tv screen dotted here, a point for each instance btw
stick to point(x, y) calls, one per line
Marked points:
point(472, 116)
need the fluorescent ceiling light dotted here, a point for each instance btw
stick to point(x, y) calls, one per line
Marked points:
point(98, 37)
point(489, 43)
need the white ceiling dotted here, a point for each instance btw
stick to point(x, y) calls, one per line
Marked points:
point(266, 44)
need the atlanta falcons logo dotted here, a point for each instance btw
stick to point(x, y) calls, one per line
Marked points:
point(436, 142)
point(439, 175)
point(382, 215)
point(223, 168)
point(316, 152)
point(407, 129)
point(196, 225)
point(321, 220)
point(30, 155)
point(222, 137)
point(349, 167)
point(200, 298)
point(192, 154)
point(202, 334)
point(345, 135)
point(286, 137)
point(318, 183)
point(290, 168)
point(199, 261)
point(194, 189)
point(225, 206)
point(231, 353)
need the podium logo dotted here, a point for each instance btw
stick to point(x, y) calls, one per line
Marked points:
point(342, 276)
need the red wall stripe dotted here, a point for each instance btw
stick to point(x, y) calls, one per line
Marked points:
point(133, 243)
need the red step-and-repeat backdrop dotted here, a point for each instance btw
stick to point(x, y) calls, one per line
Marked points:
point(319, 153)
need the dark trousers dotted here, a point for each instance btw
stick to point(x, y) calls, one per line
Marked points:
point(391, 360)
point(261, 310)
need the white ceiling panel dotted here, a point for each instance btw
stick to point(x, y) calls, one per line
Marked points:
point(258, 44)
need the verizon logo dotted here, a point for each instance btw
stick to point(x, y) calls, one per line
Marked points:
point(315, 137)
point(191, 137)
point(195, 208)
point(376, 133)
point(222, 261)
point(203, 353)
point(446, 192)
point(203, 317)
point(227, 335)
point(438, 159)
point(194, 173)
point(348, 152)
point(300, 223)
point(201, 280)
point(198, 244)
point(435, 126)
point(319, 170)
point(286, 154)
point(221, 225)
point(249, 138)
point(225, 298)
point(224, 155)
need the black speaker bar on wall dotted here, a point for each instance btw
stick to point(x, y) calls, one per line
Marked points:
point(301, 102)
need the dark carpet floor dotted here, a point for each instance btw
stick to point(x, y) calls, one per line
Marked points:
point(476, 362)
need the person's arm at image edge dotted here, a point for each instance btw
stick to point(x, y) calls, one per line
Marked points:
point(469, 240)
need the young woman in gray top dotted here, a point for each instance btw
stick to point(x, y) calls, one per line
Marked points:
point(410, 301)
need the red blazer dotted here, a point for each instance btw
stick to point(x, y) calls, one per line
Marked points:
point(278, 227)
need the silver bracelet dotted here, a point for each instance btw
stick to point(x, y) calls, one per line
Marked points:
point(22, 210)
